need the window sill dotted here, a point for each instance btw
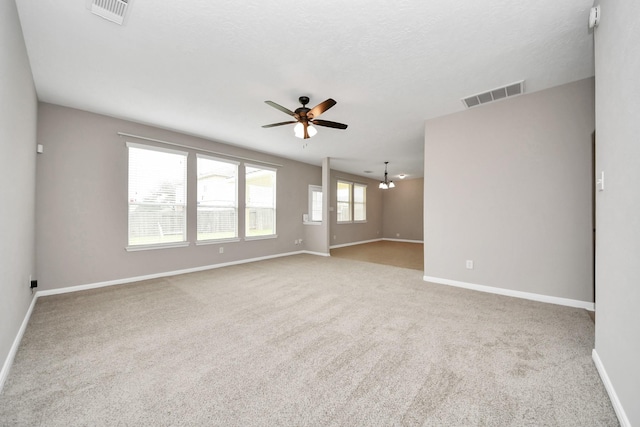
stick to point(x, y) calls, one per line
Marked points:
point(156, 246)
point(270, 236)
point(217, 241)
point(311, 222)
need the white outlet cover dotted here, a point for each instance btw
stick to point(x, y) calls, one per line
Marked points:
point(600, 182)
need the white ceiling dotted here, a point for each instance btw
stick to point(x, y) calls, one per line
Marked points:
point(206, 67)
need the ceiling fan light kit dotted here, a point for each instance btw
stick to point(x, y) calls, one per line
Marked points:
point(305, 117)
point(298, 130)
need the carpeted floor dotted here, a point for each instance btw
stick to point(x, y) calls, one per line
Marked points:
point(388, 252)
point(303, 341)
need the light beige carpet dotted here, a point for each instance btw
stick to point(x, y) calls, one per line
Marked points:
point(303, 341)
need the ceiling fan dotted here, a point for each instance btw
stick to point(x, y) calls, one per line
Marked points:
point(304, 117)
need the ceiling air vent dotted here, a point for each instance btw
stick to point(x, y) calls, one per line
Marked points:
point(111, 10)
point(494, 94)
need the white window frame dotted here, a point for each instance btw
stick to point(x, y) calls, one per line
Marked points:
point(351, 202)
point(310, 218)
point(247, 206)
point(184, 205)
point(234, 238)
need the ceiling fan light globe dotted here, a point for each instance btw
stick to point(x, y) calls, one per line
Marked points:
point(298, 130)
point(311, 131)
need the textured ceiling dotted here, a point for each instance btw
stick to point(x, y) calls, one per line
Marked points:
point(206, 67)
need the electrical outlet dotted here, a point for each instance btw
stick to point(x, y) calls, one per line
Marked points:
point(470, 264)
point(221, 250)
point(600, 182)
point(397, 234)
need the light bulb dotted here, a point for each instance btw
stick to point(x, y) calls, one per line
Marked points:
point(298, 130)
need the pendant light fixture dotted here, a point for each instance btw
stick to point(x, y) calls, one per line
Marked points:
point(386, 184)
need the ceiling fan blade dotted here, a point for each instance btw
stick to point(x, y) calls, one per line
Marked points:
point(279, 124)
point(321, 108)
point(329, 124)
point(281, 108)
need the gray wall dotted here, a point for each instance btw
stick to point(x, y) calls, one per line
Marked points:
point(508, 185)
point(18, 109)
point(81, 223)
point(402, 213)
point(341, 234)
point(617, 53)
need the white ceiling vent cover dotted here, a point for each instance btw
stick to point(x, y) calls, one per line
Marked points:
point(513, 89)
point(111, 10)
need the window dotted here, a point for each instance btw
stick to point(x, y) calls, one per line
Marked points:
point(260, 208)
point(351, 202)
point(157, 196)
point(344, 201)
point(315, 203)
point(217, 212)
point(359, 202)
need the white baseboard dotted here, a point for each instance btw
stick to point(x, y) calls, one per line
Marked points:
point(354, 243)
point(8, 362)
point(158, 275)
point(403, 240)
point(511, 293)
point(617, 406)
point(316, 253)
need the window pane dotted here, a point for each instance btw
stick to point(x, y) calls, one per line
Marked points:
point(359, 202)
point(260, 211)
point(343, 201)
point(157, 196)
point(217, 199)
point(359, 192)
point(316, 205)
point(151, 224)
point(344, 191)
